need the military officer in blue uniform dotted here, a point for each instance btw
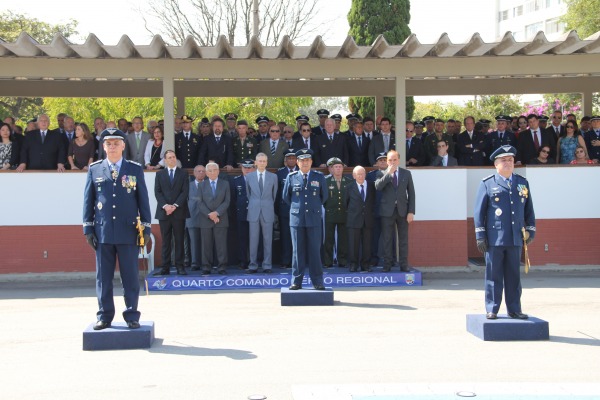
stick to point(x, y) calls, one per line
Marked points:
point(305, 191)
point(239, 204)
point(115, 195)
point(504, 217)
point(283, 209)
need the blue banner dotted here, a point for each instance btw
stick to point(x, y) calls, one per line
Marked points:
point(274, 281)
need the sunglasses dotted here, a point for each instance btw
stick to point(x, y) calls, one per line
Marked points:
point(306, 130)
point(408, 130)
point(579, 151)
point(570, 127)
point(274, 130)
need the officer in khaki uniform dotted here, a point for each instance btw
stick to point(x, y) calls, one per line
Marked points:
point(244, 146)
point(335, 214)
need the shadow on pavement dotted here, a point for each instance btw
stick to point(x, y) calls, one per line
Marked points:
point(187, 350)
point(579, 341)
point(368, 305)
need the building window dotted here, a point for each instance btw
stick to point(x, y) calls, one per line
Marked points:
point(532, 29)
point(518, 11)
point(533, 6)
point(502, 15)
point(554, 26)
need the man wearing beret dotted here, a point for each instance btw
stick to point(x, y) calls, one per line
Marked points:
point(335, 214)
point(115, 195)
point(503, 218)
point(244, 147)
point(305, 192)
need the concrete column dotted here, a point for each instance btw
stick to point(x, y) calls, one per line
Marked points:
point(400, 120)
point(169, 112)
point(181, 105)
point(587, 105)
point(379, 107)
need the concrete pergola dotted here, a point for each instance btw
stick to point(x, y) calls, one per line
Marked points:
point(92, 69)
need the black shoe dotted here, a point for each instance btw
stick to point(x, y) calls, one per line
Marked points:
point(101, 325)
point(285, 266)
point(251, 271)
point(387, 269)
point(491, 315)
point(206, 271)
point(518, 315)
point(295, 287)
point(267, 271)
point(243, 266)
point(162, 271)
point(366, 269)
point(352, 269)
point(404, 269)
point(133, 324)
point(222, 271)
point(319, 287)
point(195, 268)
point(181, 271)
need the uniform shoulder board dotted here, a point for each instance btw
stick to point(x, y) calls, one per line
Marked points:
point(328, 176)
point(96, 162)
point(318, 172)
point(487, 177)
point(520, 176)
point(280, 169)
point(134, 162)
point(294, 173)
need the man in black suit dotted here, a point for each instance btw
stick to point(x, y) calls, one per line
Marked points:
point(307, 139)
point(556, 128)
point(42, 148)
point(397, 209)
point(358, 146)
point(415, 153)
point(263, 128)
point(369, 128)
point(331, 145)
point(443, 159)
point(217, 147)
point(171, 188)
point(320, 129)
point(471, 145)
point(383, 142)
point(187, 144)
point(531, 139)
point(360, 202)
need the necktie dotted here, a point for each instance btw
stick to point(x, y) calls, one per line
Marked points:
point(114, 171)
point(339, 184)
point(260, 182)
point(360, 143)
point(395, 179)
point(362, 191)
point(408, 142)
point(217, 138)
point(213, 186)
point(70, 136)
point(306, 143)
point(187, 136)
point(386, 142)
point(272, 148)
point(171, 176)
point(501, 135)
point(290, 171)
point(305, 180)
point(557, 131)
point(43, 136)
point(330, 138)
point(137, 139)
point(536, 141)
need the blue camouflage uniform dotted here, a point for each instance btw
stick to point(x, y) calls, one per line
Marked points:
point(110, 211)
point(502, 208)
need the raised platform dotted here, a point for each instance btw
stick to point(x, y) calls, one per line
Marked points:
point(506, 329)
point(119, 337)
point(307, 297)
point(279, 278)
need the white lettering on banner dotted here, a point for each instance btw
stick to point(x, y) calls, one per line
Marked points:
point(346, 280)
point(257, 281)
point(187, 283)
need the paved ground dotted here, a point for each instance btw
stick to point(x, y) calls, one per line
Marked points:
point(229, 345)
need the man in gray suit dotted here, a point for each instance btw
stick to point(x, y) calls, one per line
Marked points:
point(274, 147)
point(397, 209)
point(136, 142)
point(261, 188)
point(214, 195)
point(193, 222)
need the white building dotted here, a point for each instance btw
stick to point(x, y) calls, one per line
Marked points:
point(525, 18)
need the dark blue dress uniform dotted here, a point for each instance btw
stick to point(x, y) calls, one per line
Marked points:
point(501, 210)
point(283, 213)
point(239, 200)
point(188, 149)
point(110, 211)
point(306, 199)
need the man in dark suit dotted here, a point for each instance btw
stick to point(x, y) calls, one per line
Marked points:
point(68, 134)
point(115, 195)
point(274, 147)
point(306, 192)
point(443, 159)
point(320, 129)
point(415, 153)
point(358, 146)
point(263, 128)
point(217, 147)
point(530, 141)
point(471, 145)
point(330, 145)
point(187, 144)
point(381, 165)
point(171, 188)
point(239, 204)
point(42, 148)
point(397, 209)
point(307, 139)
point(383, 142)
point(556, 128)
point(214, 194)
point(360, 202)
point(283, 209)
point(193, 222)
point(502, 136)
point(592, 139)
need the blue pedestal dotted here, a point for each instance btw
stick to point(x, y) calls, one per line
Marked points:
point(506, 328)
point(119, 337)
point(307, 297)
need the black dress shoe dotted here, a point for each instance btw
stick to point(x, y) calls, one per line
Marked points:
point(251, 271)
point(518, 315)
point(101, 325)
point(206, 271)
point(387, 269)
point(162, 271)
point(195, 268)
point(181, 271)
point(267, 271)
point(319, 287)
point(366, 269)
point(222, 271)
point(491, 315)
point(404, 269)
point(295, 287)
point(133, 324)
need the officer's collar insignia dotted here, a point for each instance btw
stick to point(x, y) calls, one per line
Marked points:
point(100, 179)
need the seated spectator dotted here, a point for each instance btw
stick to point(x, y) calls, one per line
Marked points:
point(567, 142)
point(581, 157)
point(543, 157)
point(443, 159)
point(9, 151)
point(82, 148)
point(154, 155)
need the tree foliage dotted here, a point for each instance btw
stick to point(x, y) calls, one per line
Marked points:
point(207, 20)
point(369, 19)
point(583, 16)
point(487, 107)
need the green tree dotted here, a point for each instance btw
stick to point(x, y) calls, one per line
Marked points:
point(487, 107)
point(369, 19)
point(582, 16)
point(11, 26)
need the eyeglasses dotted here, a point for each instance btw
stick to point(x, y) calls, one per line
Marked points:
point(578, 151)
point(409, 130)
point(274, 130)
point(306, 130)
point(555, 117)
point(570, 127)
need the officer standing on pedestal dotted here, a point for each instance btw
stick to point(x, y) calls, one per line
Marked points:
point(504, 217)
point(306, 192)
point(115, 195)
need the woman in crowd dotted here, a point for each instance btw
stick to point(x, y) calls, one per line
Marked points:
point(581, 156)
point(567, 142)
point(522, 124)
point(9, 150)
point(543, 157)
point(82, 148)
point(154, 154)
